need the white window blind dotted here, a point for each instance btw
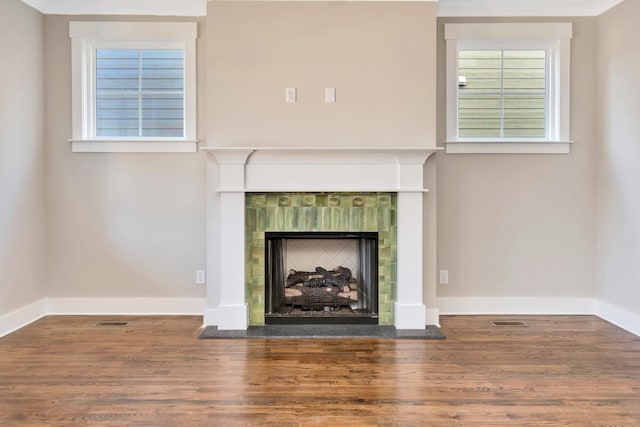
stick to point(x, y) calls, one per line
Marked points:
point(503, 94)
point(139, 93)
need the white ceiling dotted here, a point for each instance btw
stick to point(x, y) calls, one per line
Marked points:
point(448, 8)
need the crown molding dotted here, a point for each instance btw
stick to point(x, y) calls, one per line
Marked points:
point(446, 8)
point(121, 7)
point(601, 6)
point(523, 8)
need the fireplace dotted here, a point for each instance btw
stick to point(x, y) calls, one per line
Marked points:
point(244, 184)
point(321, 277)
point(317, 233)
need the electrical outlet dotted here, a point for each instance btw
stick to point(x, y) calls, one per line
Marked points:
point(444, 277)
point(200, 277)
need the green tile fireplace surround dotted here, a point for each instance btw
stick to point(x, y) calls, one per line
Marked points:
point(294, 212)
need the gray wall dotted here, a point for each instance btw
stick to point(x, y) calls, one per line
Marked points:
point(522, 225)
point(21, 157)
point(119, 225)
point(618, 179)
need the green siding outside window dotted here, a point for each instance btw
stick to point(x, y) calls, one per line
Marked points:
point(502, 94)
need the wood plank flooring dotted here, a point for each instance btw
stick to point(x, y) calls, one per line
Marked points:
point(561, 370)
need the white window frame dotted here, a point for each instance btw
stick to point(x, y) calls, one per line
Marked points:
point(555, 39)
point(86, 37)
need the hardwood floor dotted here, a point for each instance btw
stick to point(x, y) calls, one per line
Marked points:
point(561, 370)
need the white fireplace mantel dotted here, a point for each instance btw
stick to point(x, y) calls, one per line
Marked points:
point(234, 171)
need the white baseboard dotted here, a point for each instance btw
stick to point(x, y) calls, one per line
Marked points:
point(619, 316)
point(433, 316)
point(196, 306)
point(22, 317)
point(126, 306)
point(233, 316)
point(99, 306)
point(410, 316)
point(515, 306)
point(210, 316)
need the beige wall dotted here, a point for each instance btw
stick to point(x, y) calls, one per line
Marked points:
point(509, 225)
point(21, 157)
point(378, 56)
point(522, 225)
point(119, 225)
point(133, 225)
point(618, 184)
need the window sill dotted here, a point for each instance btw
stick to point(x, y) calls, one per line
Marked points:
point(127, 146)
point(509, 147)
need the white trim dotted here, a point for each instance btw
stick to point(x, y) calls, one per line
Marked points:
point(409, 316)
point(451, 100)
point(533, 8)
point(555, 39)
point(619, 316)
point(86, 37)
point(410, 310)
point(325, 169)
point(508, 31)
point(269, 169)
point(515, 305)
point(601, 6)
point(133, 30)
point(446, 8)
point(99, 306)
point(508, 148)
point(232, 316)
point(21, 317)
point(91, 146)
point(121, 7)
point(330, 1)
point(432, 316)
point(126, 306)
point(210, 317)
point(327, 149)
point(294, 189)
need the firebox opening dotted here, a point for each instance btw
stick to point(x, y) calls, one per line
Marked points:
point(321, 277)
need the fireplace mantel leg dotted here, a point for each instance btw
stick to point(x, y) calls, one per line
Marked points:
point(226, 304)
point(410, 311)
point(232, 311)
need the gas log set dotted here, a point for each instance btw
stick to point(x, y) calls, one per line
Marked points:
point(321, 289)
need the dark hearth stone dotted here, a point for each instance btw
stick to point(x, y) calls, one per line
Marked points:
point(324, 331)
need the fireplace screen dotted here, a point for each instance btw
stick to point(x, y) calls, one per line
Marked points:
point(321, 277)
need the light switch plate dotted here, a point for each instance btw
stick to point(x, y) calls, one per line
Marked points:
point(330, 95)
point(290, 95)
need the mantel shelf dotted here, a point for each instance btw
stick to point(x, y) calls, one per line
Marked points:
point(321, 169)
point(321, 155)
point(312, 190)
point(325, 149)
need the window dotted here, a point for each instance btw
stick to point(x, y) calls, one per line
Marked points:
point(140, 93)
point(508, 88)
point(503, 94)
point(133, 86)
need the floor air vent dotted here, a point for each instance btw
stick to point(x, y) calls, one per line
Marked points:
point(508, 323)
point(112, 323)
